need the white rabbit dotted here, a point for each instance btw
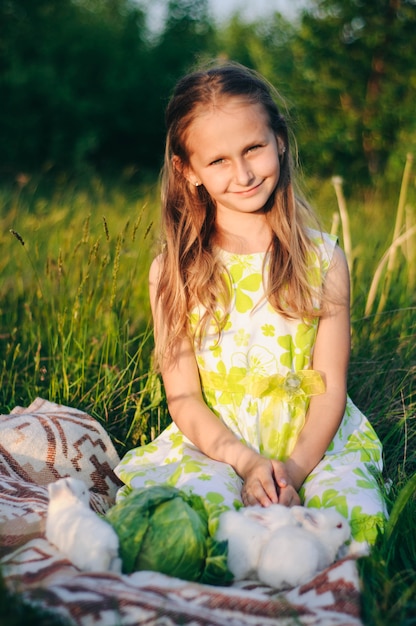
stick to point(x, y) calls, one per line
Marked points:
point(272, 517)
point(294, 554)
point(331, 528)
point(246, 531)
point(245, 536)
point(88, 541)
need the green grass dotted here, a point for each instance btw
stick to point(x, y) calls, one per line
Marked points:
point(74, 310)
point(74, 328)
point(14, 611)
point(388, 574)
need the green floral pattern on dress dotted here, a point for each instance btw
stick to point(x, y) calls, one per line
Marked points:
point(296, 353)
point(255, 379)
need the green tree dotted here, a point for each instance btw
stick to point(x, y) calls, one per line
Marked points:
point(354, 83)
point(264, 45)
point(85, 82)
point(187, 36)
point(67, 74)
point(347, 71)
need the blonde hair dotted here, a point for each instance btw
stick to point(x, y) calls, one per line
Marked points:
point(192, 273)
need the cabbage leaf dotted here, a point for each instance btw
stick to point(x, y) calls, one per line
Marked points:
point(163, 529)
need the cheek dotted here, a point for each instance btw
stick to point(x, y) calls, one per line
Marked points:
point(214, 183)
point(272, 163)
point(272, 169)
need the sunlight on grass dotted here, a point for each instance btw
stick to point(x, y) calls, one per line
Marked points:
point(75, 329)
point(74, 305)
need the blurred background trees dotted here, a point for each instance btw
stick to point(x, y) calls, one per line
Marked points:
point(84, 83)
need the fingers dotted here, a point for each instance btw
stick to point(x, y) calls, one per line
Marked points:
point(255, 493)
point(259, 484)
point(268, 483)
point(280, 474)
point(288, 496)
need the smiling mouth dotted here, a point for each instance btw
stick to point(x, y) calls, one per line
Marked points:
point(247, 191)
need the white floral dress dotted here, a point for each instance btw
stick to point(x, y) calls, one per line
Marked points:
point(258, 380)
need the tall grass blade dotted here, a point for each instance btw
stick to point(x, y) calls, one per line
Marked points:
point(378, 273)
point(335, 224)
point(20, 239)
point(406, 493)
point(397, 228)
point(345, 221)
point(410, 251)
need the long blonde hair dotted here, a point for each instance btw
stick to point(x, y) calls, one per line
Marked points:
point(192, 273)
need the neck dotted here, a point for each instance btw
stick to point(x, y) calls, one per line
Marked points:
point(243, 234)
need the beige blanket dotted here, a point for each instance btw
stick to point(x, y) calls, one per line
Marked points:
point(45, 442)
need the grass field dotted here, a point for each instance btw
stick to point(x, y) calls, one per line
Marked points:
point(74, 328)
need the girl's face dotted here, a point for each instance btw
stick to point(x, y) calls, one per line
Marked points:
point(235, 154)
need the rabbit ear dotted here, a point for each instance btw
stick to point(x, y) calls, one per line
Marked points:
point(77, 488)
point(72, 486)
point(52, 489)
point(254, 514)
point(299, 513)
point(311, 520)
point(59, 488)
point(257, 514)
point(308, 518)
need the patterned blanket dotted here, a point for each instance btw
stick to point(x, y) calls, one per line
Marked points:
point(47, 441)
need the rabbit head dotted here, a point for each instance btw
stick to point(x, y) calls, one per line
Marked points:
point(245, 537)
point(331, 528)
point(272, 517)
point(68, 490)
point(88, 541)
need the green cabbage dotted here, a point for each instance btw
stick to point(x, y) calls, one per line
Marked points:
point(166, 530)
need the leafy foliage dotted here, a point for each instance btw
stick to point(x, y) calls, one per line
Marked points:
point(84, 83)
point(350, 53)
point(81, 82)
point(347, 69)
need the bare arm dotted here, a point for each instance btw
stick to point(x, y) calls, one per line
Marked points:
point(331, 357)
point(200, 425)
point(267, 481)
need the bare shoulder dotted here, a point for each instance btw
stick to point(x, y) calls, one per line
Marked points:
point(338, 265)
point(337, 282)
point(154, 278)
point(155, 269)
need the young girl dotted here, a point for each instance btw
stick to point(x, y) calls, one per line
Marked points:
point(251, 319)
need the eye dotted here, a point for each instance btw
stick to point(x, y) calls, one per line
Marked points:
point(253, 148)
point(217, 161)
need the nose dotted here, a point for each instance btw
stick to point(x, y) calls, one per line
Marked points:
point(242, 172)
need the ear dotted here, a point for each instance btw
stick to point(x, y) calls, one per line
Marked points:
point(315, 521)
point(57, 488)
point(52, 489)
point(298, 513)
point(281, 146)
point(185, 171)
point(255, 514)
point(308, 518)
point(178, 164)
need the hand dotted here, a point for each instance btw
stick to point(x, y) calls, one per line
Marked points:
point(266, 482)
